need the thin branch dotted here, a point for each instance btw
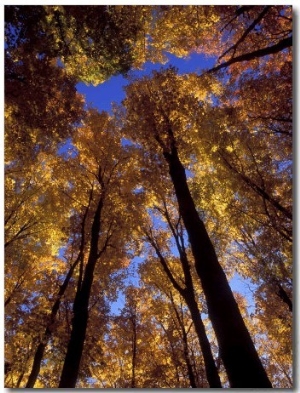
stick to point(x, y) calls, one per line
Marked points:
point(238, 12)
point(246, 32)
point(259, 190)
point(21, 230)
point(281, 45)
point(163, 262)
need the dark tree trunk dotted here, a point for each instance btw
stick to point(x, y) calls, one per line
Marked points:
point(243, 366)
point(39, 354)
point(191, 374)
point(79, 323)
point(284, 297)
point(210, 366)
point(211, 370)
point(36, 364)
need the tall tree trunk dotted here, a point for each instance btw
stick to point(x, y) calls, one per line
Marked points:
point(243, 366)
point(39, 354)
point(80, 308)
point(190, 299)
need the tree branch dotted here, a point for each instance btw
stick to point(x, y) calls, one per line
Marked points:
point(283, 44)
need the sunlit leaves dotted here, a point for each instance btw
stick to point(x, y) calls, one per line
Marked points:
point(181, 30)
point(232, 131)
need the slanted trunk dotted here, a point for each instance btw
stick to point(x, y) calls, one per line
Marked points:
point(243, 366)
point(39, 354)
point(210, 366)
point(284, 297)
point(79, 323)
point(211, 370)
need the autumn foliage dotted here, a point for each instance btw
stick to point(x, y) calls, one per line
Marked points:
point(125, 231)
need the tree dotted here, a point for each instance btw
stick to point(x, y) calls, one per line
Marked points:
point(48, 331)
point(92, 42)
point(174, 318)
point(236, 347)
point(101, 155)
point(255, 32)
point(187, 291)
point(159, 201)
point(34, 233)
point(42, 105)
point(190, 168)
point(238, 36)
point(143, 341)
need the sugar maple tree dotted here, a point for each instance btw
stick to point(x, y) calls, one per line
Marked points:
point(100, 157)
point(182, 283)
point(34, 233)
point(162, 126)
point(192, 173)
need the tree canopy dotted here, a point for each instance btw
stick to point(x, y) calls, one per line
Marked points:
point(124, 231)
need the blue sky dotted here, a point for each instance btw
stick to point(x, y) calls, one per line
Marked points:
point(110, 91)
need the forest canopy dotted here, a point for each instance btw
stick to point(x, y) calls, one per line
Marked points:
point(154, 206)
